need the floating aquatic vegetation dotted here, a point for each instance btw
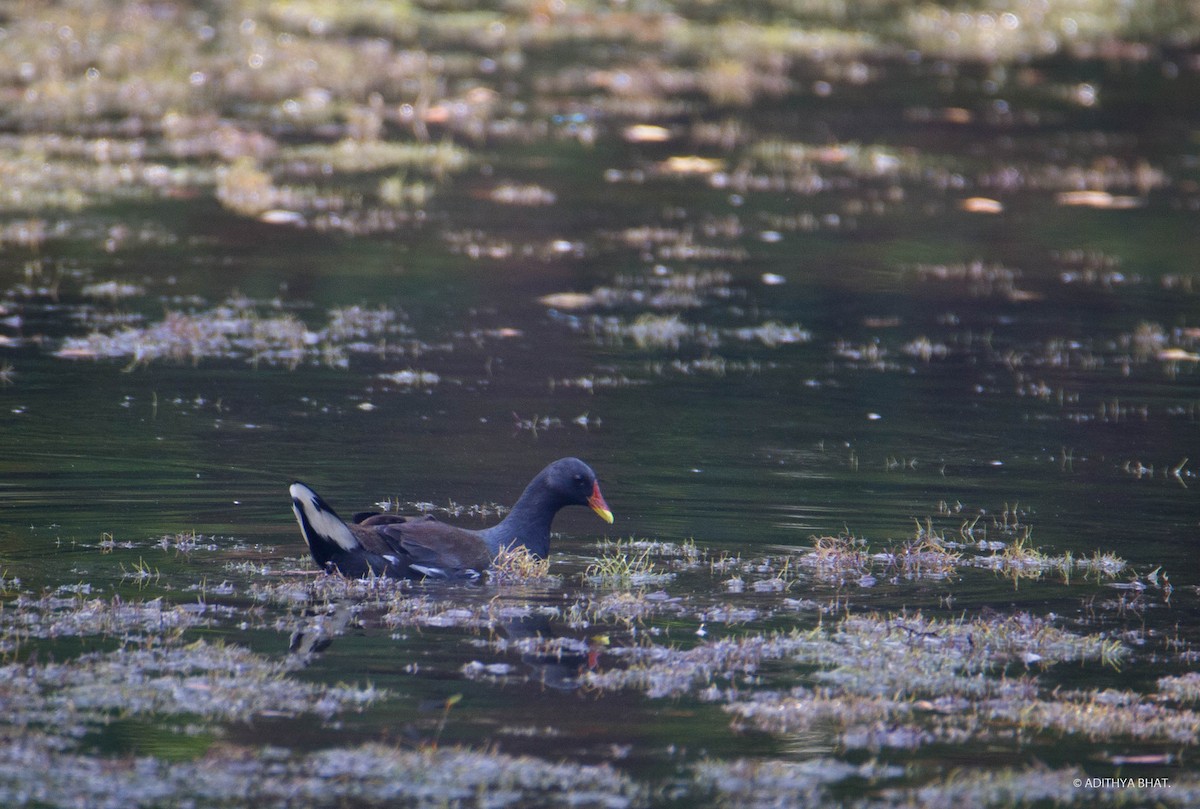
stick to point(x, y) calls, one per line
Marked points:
point(186, 542)
point(206, 134)
point(712, 365)
point(248, 187)
point(112, 290)
point(32, 232)
point(215, 681)
point(518, 564)
point(535, 423)
point(686, 551)
point(936, 676)
point(848, 158)
point(770, 782)
point(428, 611)
point(353, 155)
point(1092, 268)
point(925, 349)
point(804, 222)
point(1038, 785)
point(623, 608)
point(1178, 349)
point(873, 669)
point(241, 329)
point(1002, 37)
point(977, 279)
point(479, 246)
point(479, 511)
point(400, 192)
point(315, 587)
point(837, 558)
point(871, 356)
point(1184, 688)
point(366, 775)
point(930, 554)
point(182, 337)
point(528, 195)
point(766, 783)
point(661, 671)
point(1020, 560)
point(494, 672)
point(650, 331)
point(357, 322)
point(922, 557)
point(51, 616)
point(38, 180)
point(772, 334)
point(594, 382)
point(364, 221)
point(1100, 715)
point(623, 564)
point(940, 657)
point(662, 289)
point(753, 42)
point(410, 378)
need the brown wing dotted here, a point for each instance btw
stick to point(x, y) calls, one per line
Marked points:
point(424, 544)
point(435, 543)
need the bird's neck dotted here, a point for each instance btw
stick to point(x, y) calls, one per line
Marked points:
point(528, 524)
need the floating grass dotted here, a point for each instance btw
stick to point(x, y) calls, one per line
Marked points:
point(901, 670)
point(932, 553)
point(1184, 688)
point(242, 329)
point(624, 565)
point(367, 775)
point(519, 564)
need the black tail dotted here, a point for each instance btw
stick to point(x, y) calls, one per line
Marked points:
point(325, 532)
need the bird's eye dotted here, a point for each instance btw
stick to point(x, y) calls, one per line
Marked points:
point(579, 478)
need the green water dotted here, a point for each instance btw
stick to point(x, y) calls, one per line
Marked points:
point(1022, 376)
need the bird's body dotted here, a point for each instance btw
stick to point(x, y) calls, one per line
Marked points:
point(425, 547)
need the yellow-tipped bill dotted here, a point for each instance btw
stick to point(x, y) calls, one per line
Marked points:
point(596, 501)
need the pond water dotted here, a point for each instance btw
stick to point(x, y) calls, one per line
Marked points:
point(887, 358)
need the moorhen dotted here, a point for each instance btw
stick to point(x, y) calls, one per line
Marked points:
point(425, 547)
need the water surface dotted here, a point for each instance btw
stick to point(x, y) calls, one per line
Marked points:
point(889, 294)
